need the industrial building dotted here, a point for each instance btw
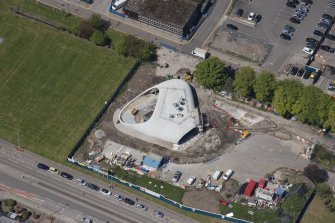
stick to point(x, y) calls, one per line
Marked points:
point(264, 194)
point(175, 16)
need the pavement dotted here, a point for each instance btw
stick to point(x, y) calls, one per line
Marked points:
point(18, 172)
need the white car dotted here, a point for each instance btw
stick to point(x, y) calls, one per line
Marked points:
point(191, 180)
point(118, 197)
point(105, 192)
point(81, 182)
point(307, 50)
point(86, 220)
point(228, 174)
point(54, 170)
point(142, 207)
point(251, 16)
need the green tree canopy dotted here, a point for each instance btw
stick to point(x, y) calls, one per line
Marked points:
point(98, 37)
point(97, 22)
point(264, 87)
point(210, 73)
point(286, 94)
point(306, 107)
point(324, 103)
point(244, 80)
point(331, 117)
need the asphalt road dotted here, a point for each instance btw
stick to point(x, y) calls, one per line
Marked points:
point(18, 170)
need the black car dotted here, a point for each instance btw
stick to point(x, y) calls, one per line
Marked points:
point(93, 186)
point(301, 71)
point(318, 33)
point(232, 27)
point(308, 2)
point(323, 25)
point(294, 70)
point(311, 40)
point(87, 1)
point(330, 36)
point(176, 176)
point(293, 1)
point(258, 18)
point(332, 50)
point(239, 12)
point(285, 37)
point(311, 45)
point(295, 20)
point(291, 5)
point(43, 166)
point(66, 175)
point(326, 16)
point(325, 48)
point(129, 201)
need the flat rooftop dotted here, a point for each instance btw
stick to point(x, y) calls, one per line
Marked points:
point(174, 12)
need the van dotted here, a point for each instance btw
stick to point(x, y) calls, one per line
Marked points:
point(200, 53)
point(217, 175)
point(228, 174)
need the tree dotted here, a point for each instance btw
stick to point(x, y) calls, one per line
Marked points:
point(228, 85)
point(324, 103)
point(315, 174)
point(305, 108)
point(9, 202)
point(264, 87)
point(244, 80)
point(286, 94)
point(121, 47)
point(26, 214)
point(330, 123)
point(96, 21)
point(209, 73)
point(85, 30)
point(98, 38)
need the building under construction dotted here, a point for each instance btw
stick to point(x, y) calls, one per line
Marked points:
point(175, 16)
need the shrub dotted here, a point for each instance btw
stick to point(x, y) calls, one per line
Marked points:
point(9, 202)
point(26, 214)
point(8, 208)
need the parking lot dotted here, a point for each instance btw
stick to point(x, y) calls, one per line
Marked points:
point(259, 155)
point(275, 15)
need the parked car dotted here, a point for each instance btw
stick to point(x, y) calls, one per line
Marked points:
point(54, 170)
point(309, 2)
point(323, 25)
point(158, 214)
point(93, 186)
point(295, 20)
point(291, 5)
point(239, 12)
point(331, 4)
point(327, 16)
point(217, 174)
point(318, 33)
point(251, 16)
point(285, 37)
point(330, 36)
point(307, 50)
point(118, 197)
point(43, 166)
point(311, 40)
point(176, 176)
point(228, 174)
point(289, 28)
point(294, 70)
point(287, 33)
point(231, 26)
point(311, 45)
point(191, 180)
point(129, 201)
point(80, 181)
point(66, 175)
point(258, 18)
point(293, 1)
point(142, 207)
point(105, 192)
point(325, 48)
point(87, 220)
point(301, 72)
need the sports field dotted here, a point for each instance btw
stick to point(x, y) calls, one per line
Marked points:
point(52, 84)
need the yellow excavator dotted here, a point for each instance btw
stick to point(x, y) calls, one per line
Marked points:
point(188, 76)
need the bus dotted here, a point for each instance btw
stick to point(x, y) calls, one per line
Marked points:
point(118, 4)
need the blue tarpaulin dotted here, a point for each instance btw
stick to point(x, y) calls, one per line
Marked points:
point(150, 162)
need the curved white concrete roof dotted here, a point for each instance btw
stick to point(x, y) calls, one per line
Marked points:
point(167, 122)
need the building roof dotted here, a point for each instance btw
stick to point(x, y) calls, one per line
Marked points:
point(171, 108)
point(150, 162)
point(250, 188)
point(173, 12)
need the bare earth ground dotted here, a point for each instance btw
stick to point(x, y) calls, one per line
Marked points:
point(203, 199)
point(241, 46)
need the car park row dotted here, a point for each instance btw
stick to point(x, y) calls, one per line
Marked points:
point(103, 191)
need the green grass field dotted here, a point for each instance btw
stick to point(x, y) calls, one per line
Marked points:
point(52, 84)
point(318, 212)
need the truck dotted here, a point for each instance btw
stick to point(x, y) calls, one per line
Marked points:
point(200, 53)
point(217, 174)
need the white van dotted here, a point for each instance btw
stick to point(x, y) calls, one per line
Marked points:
point(217, 175)
point(228, 174)
point(200, 53)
